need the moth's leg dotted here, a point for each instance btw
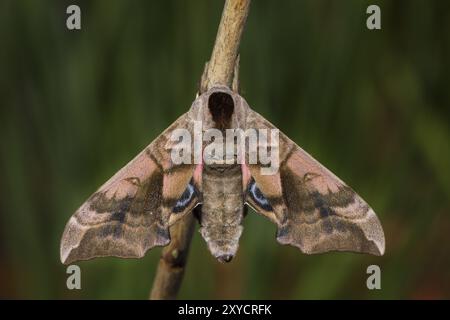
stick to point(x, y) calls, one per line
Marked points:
point(197, 212)
point(235, 85)
point(245, 211)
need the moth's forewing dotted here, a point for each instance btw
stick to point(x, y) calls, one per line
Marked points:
point(314, 210)
point(130, 213)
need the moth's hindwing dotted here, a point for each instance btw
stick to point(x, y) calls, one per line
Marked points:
point(132, 211)
point(314, 210)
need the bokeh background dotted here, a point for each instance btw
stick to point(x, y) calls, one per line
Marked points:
point(373, 106)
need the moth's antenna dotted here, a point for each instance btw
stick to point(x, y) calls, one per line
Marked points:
point(203, 80)
point(236, 84)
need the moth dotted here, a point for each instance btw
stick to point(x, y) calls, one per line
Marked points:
point(132, 212)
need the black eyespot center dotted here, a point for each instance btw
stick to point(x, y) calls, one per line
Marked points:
point(259, 197)
point(185, 199)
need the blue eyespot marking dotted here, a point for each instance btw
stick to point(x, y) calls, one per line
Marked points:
point(258, 197)
point(185, 199)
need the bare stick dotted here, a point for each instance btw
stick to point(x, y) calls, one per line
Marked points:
point(223, 59)
point(222, 69)
point(173, 260)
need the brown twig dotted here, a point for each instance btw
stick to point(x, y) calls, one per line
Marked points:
point(173, 260)
point(222, 69)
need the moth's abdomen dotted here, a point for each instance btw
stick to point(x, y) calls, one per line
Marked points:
point(222, 210)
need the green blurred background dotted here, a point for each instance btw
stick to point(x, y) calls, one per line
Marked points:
point(373, 106)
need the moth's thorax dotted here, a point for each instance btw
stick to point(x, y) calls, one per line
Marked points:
point(222, 210)
point(222, 109)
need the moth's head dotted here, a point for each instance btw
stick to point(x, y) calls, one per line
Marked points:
point(221, 108)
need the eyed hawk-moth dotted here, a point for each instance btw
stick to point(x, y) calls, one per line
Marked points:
point(132, 212)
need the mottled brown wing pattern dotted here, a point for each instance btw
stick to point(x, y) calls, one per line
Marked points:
point(132, 211)
point(314, 210)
